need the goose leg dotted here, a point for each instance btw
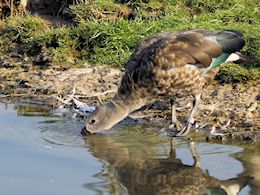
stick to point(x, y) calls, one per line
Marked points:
point(175, 121)
point(190, 120)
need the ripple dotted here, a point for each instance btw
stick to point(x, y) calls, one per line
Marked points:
point(65, 133)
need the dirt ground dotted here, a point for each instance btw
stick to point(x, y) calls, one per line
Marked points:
point(222, 103)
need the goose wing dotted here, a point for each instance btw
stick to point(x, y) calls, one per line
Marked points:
point(160, 56)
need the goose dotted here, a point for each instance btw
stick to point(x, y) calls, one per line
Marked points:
point(167, 66)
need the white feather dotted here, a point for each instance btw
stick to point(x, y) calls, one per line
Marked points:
point(232, 57)
point(82, 108)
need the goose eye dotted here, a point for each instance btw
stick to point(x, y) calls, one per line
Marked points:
point(92, 121)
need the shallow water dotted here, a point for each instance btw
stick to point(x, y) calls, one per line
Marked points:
point(42, 152)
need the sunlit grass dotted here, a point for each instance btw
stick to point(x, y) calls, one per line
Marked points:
point(106, 32)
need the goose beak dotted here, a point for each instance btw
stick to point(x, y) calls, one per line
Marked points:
point(243, 57)
point(85, 132)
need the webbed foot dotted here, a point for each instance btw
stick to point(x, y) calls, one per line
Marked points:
point(186, 129)
point(176, 125)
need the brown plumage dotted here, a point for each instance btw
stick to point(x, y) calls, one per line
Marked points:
point(166, 66)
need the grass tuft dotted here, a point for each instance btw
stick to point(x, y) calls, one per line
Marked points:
point(236, 73)
point(18, 31)
point(106, 32)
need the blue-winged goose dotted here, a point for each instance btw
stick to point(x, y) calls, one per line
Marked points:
point(168, 65)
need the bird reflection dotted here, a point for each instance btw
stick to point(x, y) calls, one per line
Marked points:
point(140, 172)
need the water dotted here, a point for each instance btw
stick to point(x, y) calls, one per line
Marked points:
point(42, 152)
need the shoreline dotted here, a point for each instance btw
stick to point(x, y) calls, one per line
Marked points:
point(94, 85)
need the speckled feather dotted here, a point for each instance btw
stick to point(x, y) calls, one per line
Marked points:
point(175, 64)
point(167, 66)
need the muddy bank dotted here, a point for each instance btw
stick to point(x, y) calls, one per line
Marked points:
point(237, 103)
point(20, 79)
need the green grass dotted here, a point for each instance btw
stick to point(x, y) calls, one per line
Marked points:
point(106, 32)
point(238, 73)
point(56, 42)
point(18, 31)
